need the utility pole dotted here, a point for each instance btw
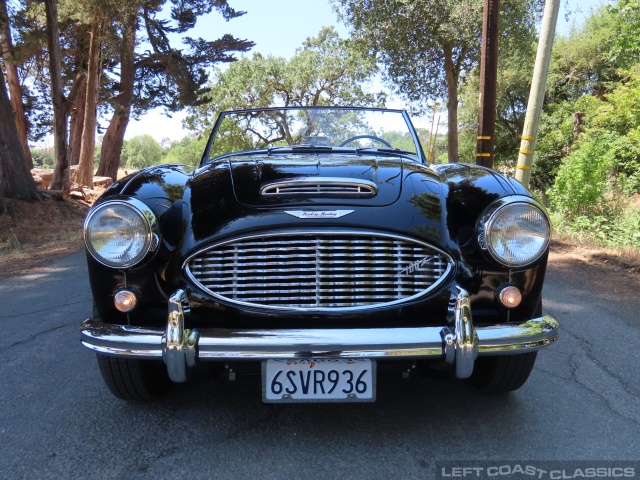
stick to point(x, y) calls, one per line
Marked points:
point(536, 95)
point(488, 83)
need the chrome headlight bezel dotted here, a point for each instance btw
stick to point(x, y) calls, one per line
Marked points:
point(149, 235)
point(489, 232)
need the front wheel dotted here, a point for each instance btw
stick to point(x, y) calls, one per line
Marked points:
point(131, 379)
point(502, 374)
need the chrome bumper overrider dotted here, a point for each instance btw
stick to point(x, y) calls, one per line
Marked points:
point(458, 344)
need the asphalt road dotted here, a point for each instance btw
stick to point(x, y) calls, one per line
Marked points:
point(58, 421)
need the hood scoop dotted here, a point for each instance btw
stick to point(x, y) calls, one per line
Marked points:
point(319, 187)
point(322, 180)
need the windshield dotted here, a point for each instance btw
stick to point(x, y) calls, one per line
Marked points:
point(313, 127)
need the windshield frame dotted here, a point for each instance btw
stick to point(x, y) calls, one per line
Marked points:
point(419, 155)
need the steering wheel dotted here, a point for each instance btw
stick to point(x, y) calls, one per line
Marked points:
point(371, 137)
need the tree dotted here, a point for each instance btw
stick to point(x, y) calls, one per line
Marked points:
point(114, 137)
point(326, 70)
point(186, 151)
point(60, 180)
point(15, 178)
point(626, 43)
point(141, 151)
point(164, 76)
point(588, 67)
point(582, 63)
point(8, 53)
point(111, 74)
point(98, 21)
point(427, 46)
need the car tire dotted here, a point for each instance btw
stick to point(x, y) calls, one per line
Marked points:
point(132, 379)
point(502, 374)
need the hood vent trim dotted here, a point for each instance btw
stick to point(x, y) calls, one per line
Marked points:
point(319, 187)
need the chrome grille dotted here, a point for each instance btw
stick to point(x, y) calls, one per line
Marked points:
point(320, 187)
point(319, 270)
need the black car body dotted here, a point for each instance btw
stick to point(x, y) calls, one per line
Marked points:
point(318, 244)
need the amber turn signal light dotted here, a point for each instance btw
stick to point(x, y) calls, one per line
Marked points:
point(510, 296)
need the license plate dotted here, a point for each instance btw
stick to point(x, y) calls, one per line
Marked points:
point(318, 380)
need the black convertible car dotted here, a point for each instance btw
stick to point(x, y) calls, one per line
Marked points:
point(316, 247)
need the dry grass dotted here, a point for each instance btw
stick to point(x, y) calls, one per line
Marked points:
point(34, 233)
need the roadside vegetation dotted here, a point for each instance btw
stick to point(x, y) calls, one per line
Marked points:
point(587, 159)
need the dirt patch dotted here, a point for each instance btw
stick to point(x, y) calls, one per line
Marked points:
point(618, 260)
point(614, 274)
point(32, 234)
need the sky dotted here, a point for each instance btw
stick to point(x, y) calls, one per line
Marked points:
point(279, 28)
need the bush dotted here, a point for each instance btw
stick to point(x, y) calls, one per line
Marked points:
point(594, 190)
point(583, 182)
point(42, 157)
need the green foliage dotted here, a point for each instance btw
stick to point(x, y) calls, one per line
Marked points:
point(587, 160)
point(326, 70)
point(141, 151)
point(556, 136)
point(413, 39)
point(43, 157)
point(171, 70)
point(595, 187)
point(626, 44)
point(609, 141)
point(400, 140)
point(582, 63)
point(622, 230)
point(582, 182)
point(186, 151)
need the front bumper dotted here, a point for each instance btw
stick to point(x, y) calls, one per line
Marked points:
point(458, 344)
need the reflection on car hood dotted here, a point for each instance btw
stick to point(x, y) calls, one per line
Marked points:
point(261, 181)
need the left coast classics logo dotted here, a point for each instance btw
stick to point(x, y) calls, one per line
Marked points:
point(319, 214)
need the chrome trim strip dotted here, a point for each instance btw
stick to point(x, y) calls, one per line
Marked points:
point(315, 214)
point(326, 187)
point(398, 255)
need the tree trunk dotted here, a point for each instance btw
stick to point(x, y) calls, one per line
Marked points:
point(577, 125)
point(60, 180)
point(76, 121)
point(15, 91)
point(114, 137)
point(15, 178)
point(452, 104)
point(85, 168)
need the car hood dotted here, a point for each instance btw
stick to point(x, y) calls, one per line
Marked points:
point(367, 181)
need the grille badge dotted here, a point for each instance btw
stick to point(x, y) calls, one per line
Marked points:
point(415, 266)
point(318, 214)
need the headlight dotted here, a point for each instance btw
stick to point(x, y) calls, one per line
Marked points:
point(516, 233)
point(119, 233)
